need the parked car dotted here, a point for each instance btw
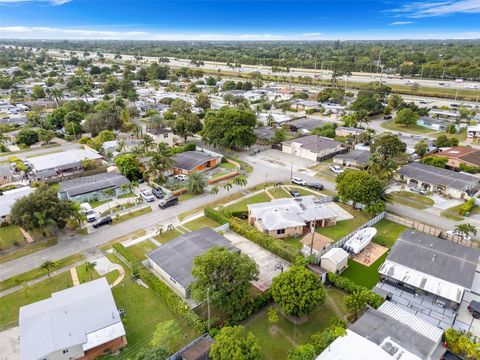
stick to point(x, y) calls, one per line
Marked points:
point(315, 185)
point(474, 309)
point(388, 117)
point(171, 201)
point(460, 234)
point(147, 196)
point(298, 181)
point(295, 193)
point(336, 169)
point(181, 177)
point(102, 221)
point(448, 355)
point(158, 193)
point(88, 211)
point(419, 191)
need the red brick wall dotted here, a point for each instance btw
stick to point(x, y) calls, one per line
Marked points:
point(113, 345)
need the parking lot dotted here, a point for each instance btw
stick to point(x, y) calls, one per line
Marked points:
point(269, 265)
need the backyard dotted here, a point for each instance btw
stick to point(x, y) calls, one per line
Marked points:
point(10, 236)
point(85, 276)
point(142, 248)
point(276, 340)
point(344, 227)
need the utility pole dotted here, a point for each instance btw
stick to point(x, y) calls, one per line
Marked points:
point(312, 230)
point(208, 306)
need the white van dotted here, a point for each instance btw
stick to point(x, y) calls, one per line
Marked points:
point(90, 214)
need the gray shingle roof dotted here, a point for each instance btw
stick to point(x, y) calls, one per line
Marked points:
point(438, 176)
point(308, 124)
point(433, 256)
point(88, 184)
point(360, 156)
point(314, 143)
point(176, 257)
point(189, 160)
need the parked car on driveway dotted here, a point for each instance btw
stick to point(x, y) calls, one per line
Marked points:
point(147, 196)
point(158, 193)
point(181, 177)
point(419, 191)
point(298, 181)
point(336, 169)
point(102, 221)
point(315, 185)
point(448, 355)
point(474, 309)
point(295, 193)
point(171, 201)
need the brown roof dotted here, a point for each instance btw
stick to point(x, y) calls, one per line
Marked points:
point(462, 153)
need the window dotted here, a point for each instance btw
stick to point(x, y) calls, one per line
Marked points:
point(65, 351)
point(165, 135)
point(281, 231)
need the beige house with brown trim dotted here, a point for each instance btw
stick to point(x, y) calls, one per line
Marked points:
point(282, 218)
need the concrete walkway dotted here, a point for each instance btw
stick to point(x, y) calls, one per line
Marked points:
point(73, 273)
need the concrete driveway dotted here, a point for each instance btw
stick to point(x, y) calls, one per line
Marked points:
point(269, 265)
point(10, 344)
point(286, 160)
point(464, 320)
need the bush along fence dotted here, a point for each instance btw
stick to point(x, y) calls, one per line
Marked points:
point(347, 285)
point(276, 246)
point(342, 241)
point(173, 301)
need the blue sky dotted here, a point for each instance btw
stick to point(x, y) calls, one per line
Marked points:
point(239, 20)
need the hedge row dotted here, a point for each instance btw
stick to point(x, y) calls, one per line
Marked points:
point(276, 246)
point(173, 301)
point(350, 287)
point(183, 148)
point(253, 305)
point(215, 216)
point(466, 207)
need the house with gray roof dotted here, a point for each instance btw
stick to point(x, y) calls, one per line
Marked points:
point(442, 181)
point(282, 218)
point(355, 158)
point(312, 147)
point(10, 197)
point(173, 261)
point(79, 322)
point(100, 186)
point(428, 265)
point(189, 162)
point(306, 125)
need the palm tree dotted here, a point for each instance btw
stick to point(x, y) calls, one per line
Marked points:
point(228, 186)
point(78, 214)
point(45, 223)
point(240, 181)
point(90, 268)
point(57, 95)
point(466, 229)
point(196, 183)
point(158, 164)
point(147, 142)
point(214, 190)
point(47, 265)
point(84, 90)
point(270, 120)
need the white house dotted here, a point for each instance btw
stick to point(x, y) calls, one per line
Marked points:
point(312, 147)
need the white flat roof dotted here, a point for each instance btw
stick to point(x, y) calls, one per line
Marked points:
point(337, 255)
point(8, 199)
point(52, 161)
point(420, 280)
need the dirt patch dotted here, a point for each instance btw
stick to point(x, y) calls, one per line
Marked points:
point(370, 254)
point(319, 241)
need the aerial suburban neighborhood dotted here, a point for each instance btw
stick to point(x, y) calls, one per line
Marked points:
point(238, 198)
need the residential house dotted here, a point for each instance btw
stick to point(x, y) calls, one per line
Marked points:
point(264, 134)
point(189, 162)
point(461, 155)
point(96, 187)
point(427, 265)
point(81, 322)
point(437, 124)
point(345, 131)
point(173, 261)
point(306, 125)
point(282, 218)
point(356, 158)
point(160, 135)
point(438, 180)
point(473, 133)
point(57, 165)
point(453, 114)
point(388, 333)
point(10, 197)
point(7, 174)
point(273, 119)
point(312, 147)
point(306, 105)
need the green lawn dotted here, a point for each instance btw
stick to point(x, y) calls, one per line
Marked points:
point(167, 236)
point(302, 190)
point(227, 165)
point(294, 241)
point(132, 215)
point(344, 227)
point(387, 232)
point(279, 193)
point(144, 309)
point(276, 341)
point(364, 275)
point(10, 236)
point(411, 199)
point(201, 222)
point(11, 303)
point(36, 273)
point(140, 249)
point(452, 213)
point(414, 129)
point(127, 195)
point(27, 249)
point(117, 208)
point(84, 276)
point(187, 196)
point(242, 205)
point(97, 203)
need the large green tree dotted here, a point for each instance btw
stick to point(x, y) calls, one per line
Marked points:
point(27, 136)
point(187, 124)
point(129, 166)
point(229, 128)
point(196, 183)
point(388, 146)
point(223, 276)
point(359, 187)
point(406, 117)
point(41, 209)
point(298, 291)
point(234, 342)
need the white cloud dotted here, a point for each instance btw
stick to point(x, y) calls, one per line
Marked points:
point(438, 8)
point(40, 32)
point(401, 23)
point(52, 2)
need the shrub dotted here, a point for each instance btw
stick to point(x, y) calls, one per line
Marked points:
point(466, 207)
point(183, 148)
point(173, 301)
point(215, 216)
point(253, 305)
point(342, 283)
point(461, 344)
